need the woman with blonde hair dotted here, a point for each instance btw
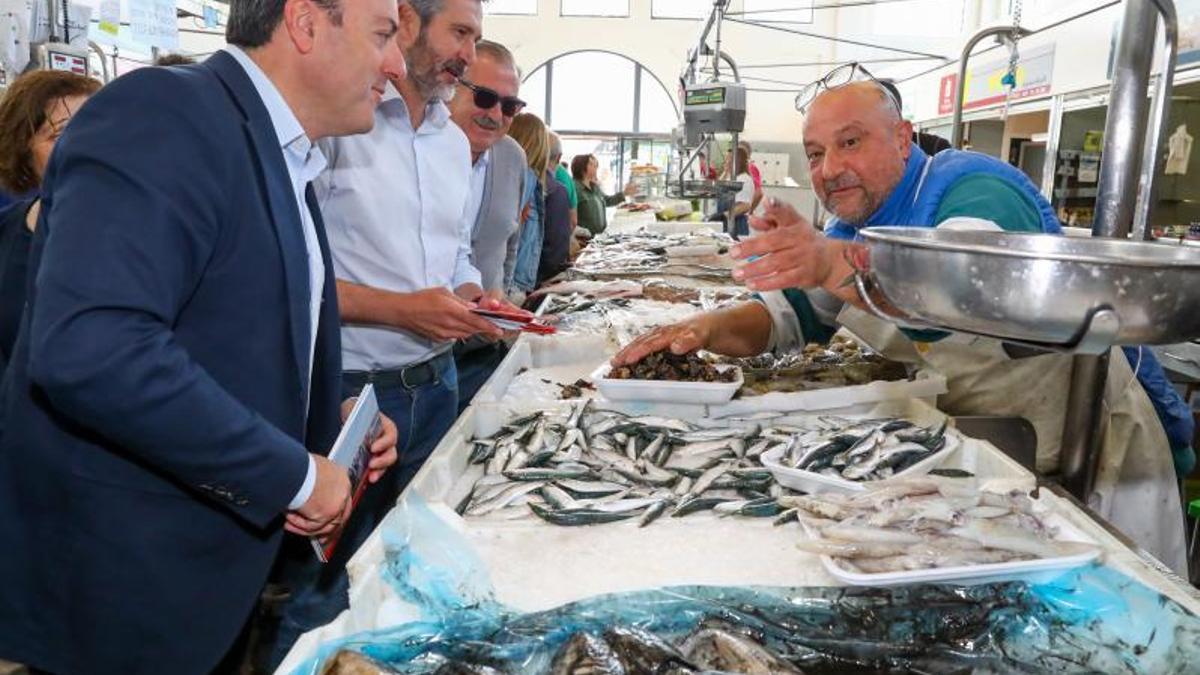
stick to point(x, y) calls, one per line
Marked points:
point(530, 133)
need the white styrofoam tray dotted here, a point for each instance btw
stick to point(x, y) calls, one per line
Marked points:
point(667, 391)
point(815, 483)
point(580, 355)
point(927, 385)
point(1032, 570)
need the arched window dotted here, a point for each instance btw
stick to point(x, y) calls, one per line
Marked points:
point(596, 91)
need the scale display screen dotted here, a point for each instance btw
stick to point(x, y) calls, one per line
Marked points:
point(705, 96)
point(68, 62)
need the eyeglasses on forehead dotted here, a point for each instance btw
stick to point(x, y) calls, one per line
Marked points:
point(840, 77)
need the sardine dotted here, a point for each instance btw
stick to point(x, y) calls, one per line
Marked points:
point(547, 474)
point(505, 498)
point(691, 504)
point(589, 488)
point(579, 517)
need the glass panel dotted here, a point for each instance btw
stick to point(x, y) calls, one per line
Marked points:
point(643, 152)
point(658, 114)
point(501, 7)
point(798, 10)
point(595, 7)
point(533, 92)
point(593, 91)
point(1178, 191)
point(679, 9)
point(1077, 165)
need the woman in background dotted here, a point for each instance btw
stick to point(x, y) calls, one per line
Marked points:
point(33, 114)
point(592, 200)
point(530, 133)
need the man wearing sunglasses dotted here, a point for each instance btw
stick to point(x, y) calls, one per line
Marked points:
point(483, 107)
point(867, 171)
point(393, 201)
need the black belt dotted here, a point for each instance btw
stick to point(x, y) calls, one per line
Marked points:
point(409, 377)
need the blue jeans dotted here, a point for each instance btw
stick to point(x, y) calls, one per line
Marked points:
point(319, 592)
point(474, 369)
point(741, 227)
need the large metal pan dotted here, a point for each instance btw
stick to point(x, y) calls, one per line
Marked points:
point(1034, 288)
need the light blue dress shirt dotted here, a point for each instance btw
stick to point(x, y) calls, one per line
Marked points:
point(304, 163)
point(394, 202)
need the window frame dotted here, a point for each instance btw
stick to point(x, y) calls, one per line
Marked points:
point(640, 72)
point(562, 13)
point(531, 13)
point(656, 17)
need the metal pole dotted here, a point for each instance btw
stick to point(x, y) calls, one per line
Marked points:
point(730, 219)
point(1125, 128)
point(719, 13)
point(1124, 150)
point(52, 19)
point(1153, 160)
point(103, 59)
point(1054, 138)
point(1083, 427)
point(1012, 32)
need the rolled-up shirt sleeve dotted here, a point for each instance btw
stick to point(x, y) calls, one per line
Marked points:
point(464, 271)
point(799, 317)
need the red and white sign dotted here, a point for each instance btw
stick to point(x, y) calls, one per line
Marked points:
point(946, 92)
point(984, 85)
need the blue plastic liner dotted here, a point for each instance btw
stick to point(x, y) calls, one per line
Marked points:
point(1090, 620)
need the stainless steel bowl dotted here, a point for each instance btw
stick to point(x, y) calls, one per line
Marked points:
point(1036, 287)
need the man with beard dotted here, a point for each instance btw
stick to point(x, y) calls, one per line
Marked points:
point(867, 171)
point(483, 107)
point(394, 201)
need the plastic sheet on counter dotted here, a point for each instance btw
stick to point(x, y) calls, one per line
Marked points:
point(1090, 620)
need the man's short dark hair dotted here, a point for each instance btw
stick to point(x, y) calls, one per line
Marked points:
point(252, 22)
point(174, 60)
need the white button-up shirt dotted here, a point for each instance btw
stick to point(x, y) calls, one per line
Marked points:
point(475, 201)
point(394, 202)
point(304, 163)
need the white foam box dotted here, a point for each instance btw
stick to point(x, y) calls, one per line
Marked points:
point(564, 361)
point(535, 565)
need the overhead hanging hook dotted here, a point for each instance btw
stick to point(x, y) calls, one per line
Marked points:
point(1009, 81)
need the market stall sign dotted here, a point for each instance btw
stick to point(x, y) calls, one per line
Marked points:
point(1035, 71)
point(153, 22)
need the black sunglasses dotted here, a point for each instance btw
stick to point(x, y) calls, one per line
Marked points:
point(486, 99)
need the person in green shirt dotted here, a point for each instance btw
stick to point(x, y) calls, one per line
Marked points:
point(866, 171)
point(563, 176)
point(591, 200)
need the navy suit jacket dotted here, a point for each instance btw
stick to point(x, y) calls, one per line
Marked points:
point(157, 410)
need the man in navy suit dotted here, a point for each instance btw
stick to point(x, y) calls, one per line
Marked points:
point(177, 375)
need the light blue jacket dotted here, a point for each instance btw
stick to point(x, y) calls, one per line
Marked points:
point(529, 250)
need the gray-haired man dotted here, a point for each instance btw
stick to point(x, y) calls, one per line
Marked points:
point(483, 107)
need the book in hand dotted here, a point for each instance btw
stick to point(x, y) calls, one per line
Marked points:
point(352, 452)
point(519, 320)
